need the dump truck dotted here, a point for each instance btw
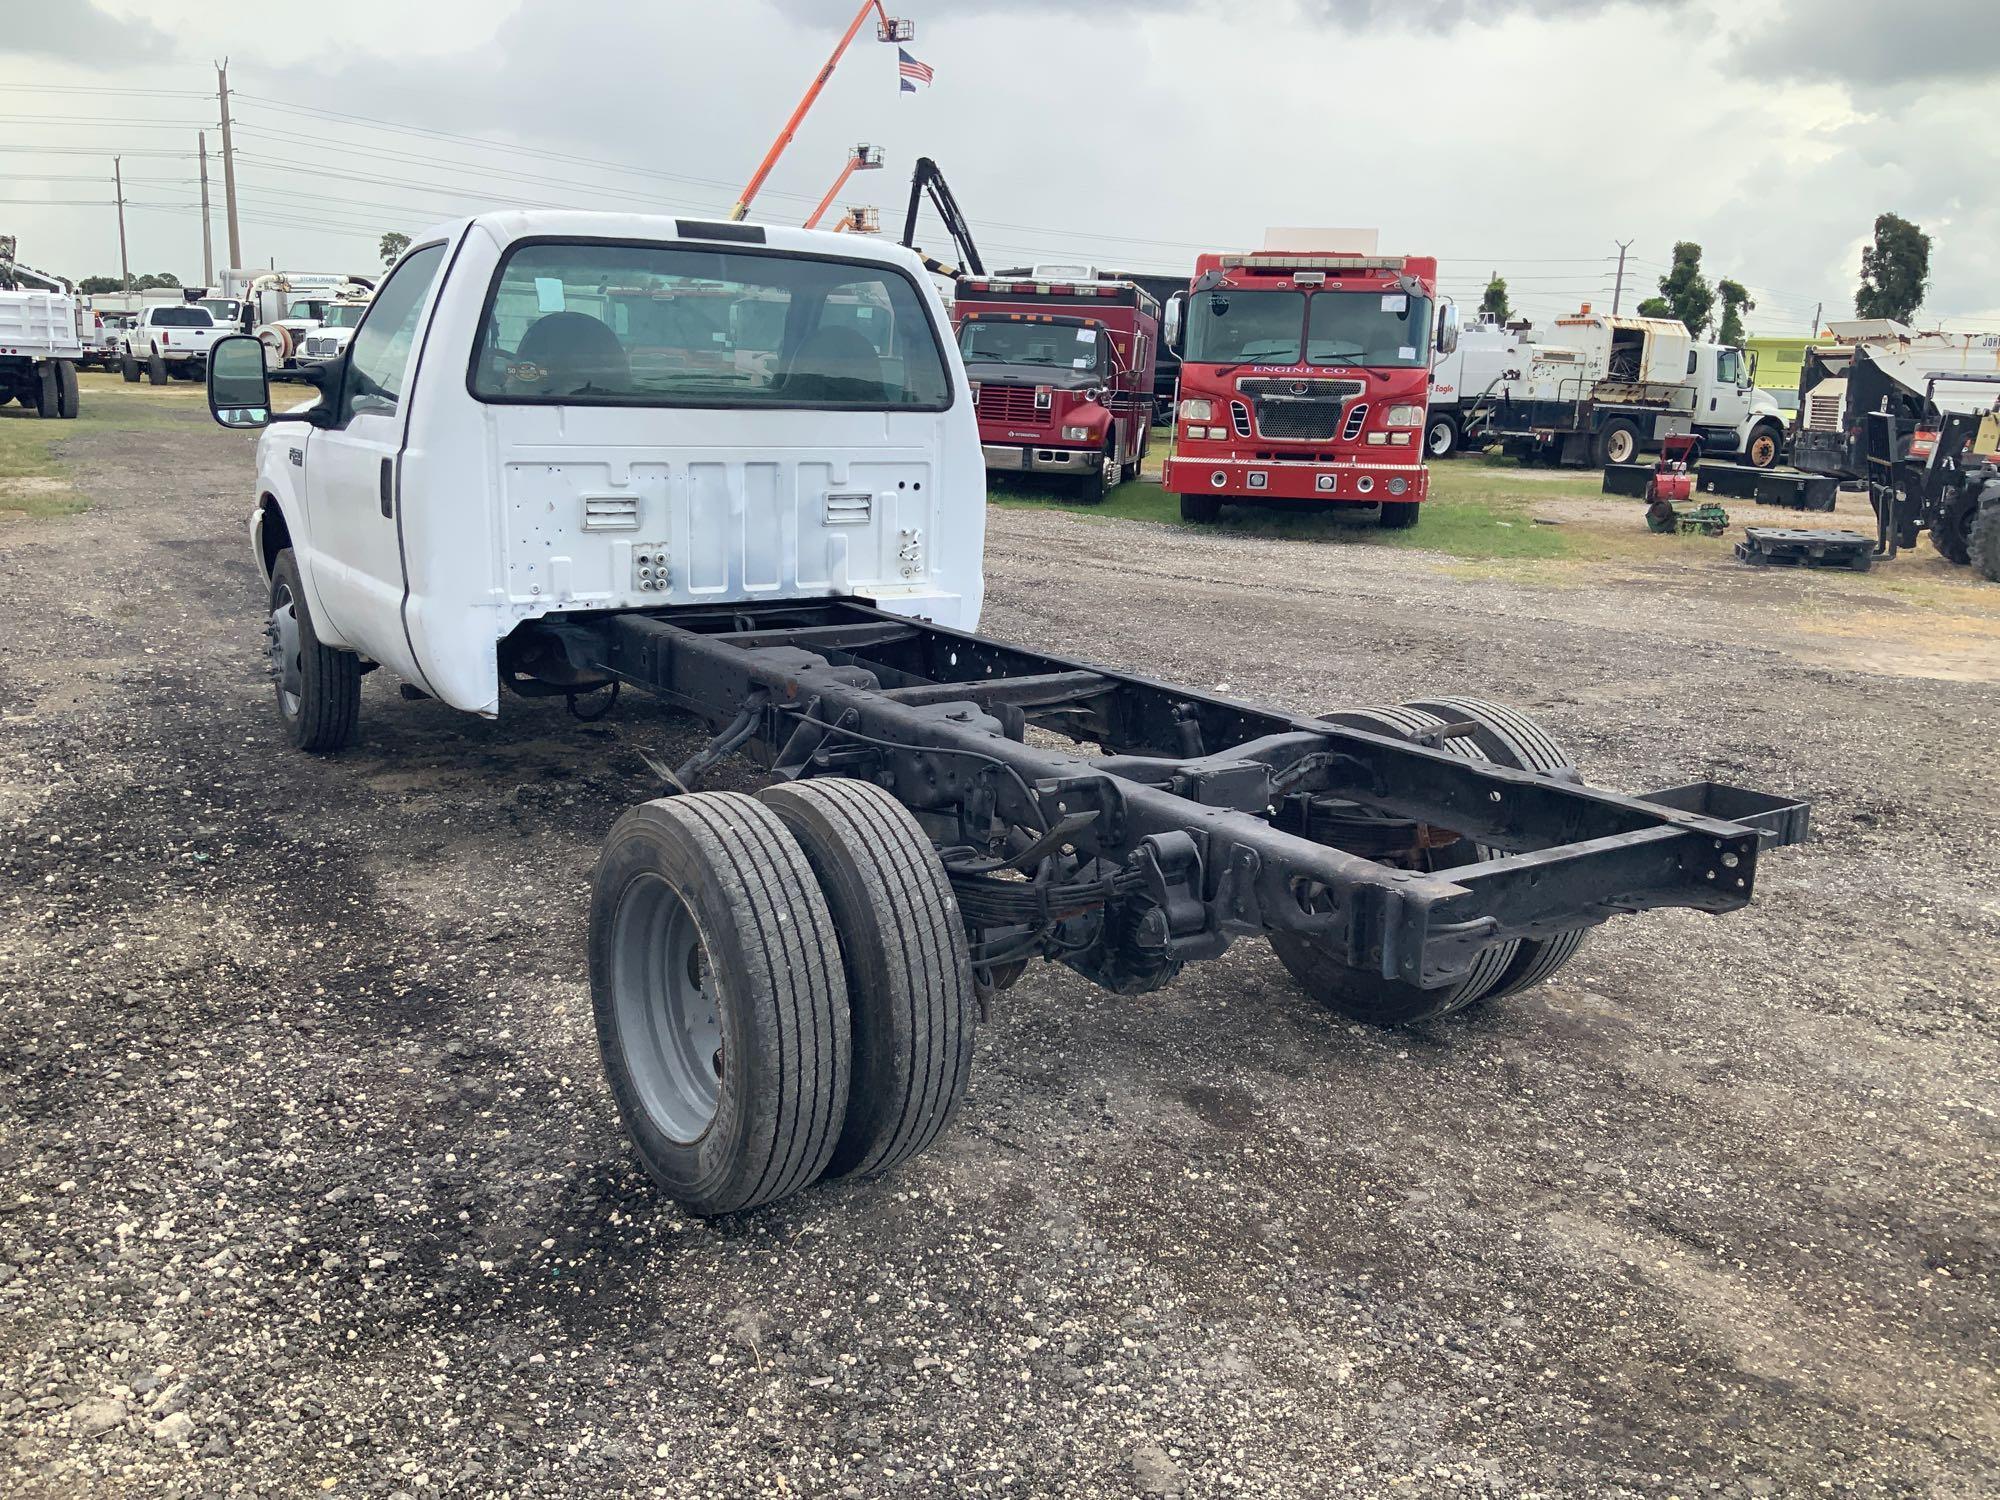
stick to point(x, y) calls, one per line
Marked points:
point(41, 338)
point(497, 495)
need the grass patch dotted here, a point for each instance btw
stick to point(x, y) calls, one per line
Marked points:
point(34, 478)
point(1478, 508)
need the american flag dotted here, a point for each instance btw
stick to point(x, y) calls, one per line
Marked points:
point(911, 72)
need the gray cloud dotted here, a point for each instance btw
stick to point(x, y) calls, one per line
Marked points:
point(1403, 15)
point(1862, 42)
point(77, 31)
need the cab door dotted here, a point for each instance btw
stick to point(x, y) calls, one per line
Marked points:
point(351, 468)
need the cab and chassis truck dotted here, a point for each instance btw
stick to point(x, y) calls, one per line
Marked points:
point(542, 468)
point(1062, 375)
point(1304, 378)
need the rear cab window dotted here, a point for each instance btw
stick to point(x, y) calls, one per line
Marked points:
point(621, 324)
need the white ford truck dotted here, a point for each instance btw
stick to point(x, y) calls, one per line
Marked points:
point(567, 454)
point(169, 340)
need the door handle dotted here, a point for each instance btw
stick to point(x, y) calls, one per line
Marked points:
point(388, 487)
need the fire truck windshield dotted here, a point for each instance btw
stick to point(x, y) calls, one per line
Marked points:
point(1056, 345)
point(1371, 329)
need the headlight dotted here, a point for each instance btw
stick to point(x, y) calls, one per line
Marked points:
point(1197, 411)
point(1406, 416)
point(1076, 434)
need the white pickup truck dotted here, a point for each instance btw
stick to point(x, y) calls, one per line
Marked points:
point(566, 454)
point(169, 340)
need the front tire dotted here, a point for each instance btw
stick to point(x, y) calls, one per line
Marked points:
point(1985, 535)
point(318, 687)
point(1200, 510)
point(903, 953)
point(1952, 535)
point(1441, 437)
point(720, 1006)
point(1761, 452)
point(1400, 515)
point(1102, 479)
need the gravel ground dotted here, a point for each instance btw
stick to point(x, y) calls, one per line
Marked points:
point(311, 1183)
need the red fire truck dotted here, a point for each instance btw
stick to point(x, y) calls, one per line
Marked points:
point(1304, 377)
point(1062, 370)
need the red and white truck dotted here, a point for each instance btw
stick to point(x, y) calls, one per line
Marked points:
point(1304, 377)
point(1062, 373)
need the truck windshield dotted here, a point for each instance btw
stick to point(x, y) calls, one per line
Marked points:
point(225, 309)
point(1342, 328)
point(1368, 328)
point(344, 315)
point(667, 325)
point(1057, 345)
point(1235, 328)
point(182, 317)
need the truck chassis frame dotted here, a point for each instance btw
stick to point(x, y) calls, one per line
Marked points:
point(1197, 820)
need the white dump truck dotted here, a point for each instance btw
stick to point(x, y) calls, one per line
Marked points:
point(1599, 390)
point(568, 454)
point(41, 337)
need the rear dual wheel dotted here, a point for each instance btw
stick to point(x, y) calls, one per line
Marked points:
point(781, 989)
point(1498, 734)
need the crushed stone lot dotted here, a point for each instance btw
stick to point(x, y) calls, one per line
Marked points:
point(311, 1182)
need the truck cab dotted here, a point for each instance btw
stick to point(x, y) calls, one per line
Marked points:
point(1305, 377)
point(505, 442)
point(1725, 407)
point(1062, 372)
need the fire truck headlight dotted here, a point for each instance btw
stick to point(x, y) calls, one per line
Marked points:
point(1076, 434)
point(1197, 411)
point(1406, 416)
point(1398, 486)
point(1378, 439)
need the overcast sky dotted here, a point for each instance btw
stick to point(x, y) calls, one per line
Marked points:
point(1519, 135)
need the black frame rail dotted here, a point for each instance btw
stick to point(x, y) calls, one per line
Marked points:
point(1179, 820)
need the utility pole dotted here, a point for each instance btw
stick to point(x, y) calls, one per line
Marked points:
point(1618, 287)
point(1818, 308)
point(207, 240)
point(124, 266)
point(228, 163)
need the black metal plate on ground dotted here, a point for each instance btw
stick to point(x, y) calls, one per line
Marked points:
point(1786, 546)
point(1792, 488)
point(1627, 479)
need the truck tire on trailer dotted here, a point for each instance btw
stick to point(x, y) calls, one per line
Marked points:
point(47, 390)
point(904, 956)
point(69, 396)
point(721, 1010)
point(1762, 451)
point(1985, 535)
point(1400, 515)
point(156, 368)
point(318, 687)
point(1200, 510)
point(1617, 442)
point(1321, 967)
point(1513, 739)
point(1441, 436)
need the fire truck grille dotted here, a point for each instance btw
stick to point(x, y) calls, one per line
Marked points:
point(1008, 403)
point(1302, 410)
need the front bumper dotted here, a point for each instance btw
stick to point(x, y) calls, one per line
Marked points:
point(1291, 479)
point(1014, 458)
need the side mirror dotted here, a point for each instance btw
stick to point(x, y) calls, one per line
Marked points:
point(1208, 281)
point(239, 387)
point(1447, 335)
point(1170, 321)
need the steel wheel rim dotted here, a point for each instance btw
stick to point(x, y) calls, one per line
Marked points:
point(669, 1026)
point(1622, 447)
point(287, 666)
point(1440, 439)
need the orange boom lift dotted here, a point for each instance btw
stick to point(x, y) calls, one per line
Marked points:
point(887, 29)
point(861, 159)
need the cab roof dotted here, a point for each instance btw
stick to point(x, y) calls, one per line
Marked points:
point(508, 226)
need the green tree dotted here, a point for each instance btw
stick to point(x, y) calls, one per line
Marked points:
point(1656, 307)
point(90, 286)
point(1736, 301)
point(1895, 270)
point(1494, 303)
point(1687, 291)
point(393, 245)
point(157, 281)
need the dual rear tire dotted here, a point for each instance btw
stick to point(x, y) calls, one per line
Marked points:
point(781, 989)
